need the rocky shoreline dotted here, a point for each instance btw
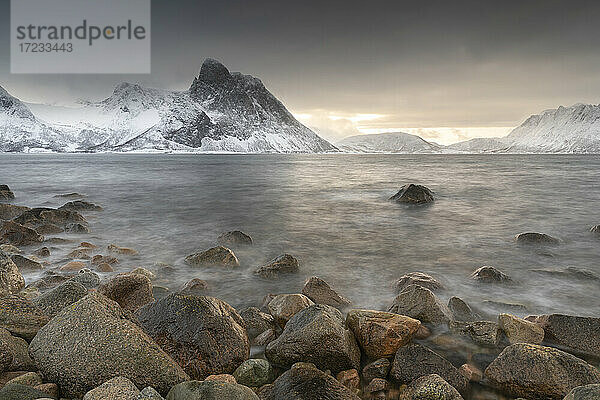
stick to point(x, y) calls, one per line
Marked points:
point(84, 329)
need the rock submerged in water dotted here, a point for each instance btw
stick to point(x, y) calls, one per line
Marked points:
point(19, 235)
point(418, 278)
point(461, 311)
point(538, 372)
point(487, 274)
point(484, 333)
point(210, 390)
point(6, 193)
point(234, 239)
point(80, 205)
point(318, 335)
point(413, 194)
point(430, 387)
point(216, 256)
point(95, 340)
point(26, 263)
point(320, 292)
point(203, 334)
point(9, 211)
point(283, 264)
point(595, 229)
point(536, 238)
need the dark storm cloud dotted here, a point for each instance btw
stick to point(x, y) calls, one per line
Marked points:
point(422, 64)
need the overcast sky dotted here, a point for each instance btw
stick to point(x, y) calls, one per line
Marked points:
point(447, 70)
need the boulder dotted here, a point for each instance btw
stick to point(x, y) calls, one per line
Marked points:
point(305, 382)
point(95, 340)
point(100, 259)
point(430, 387)
point(19, 349)
point(26, 263)
point(538, 372)
point(87, 278)
point(377, 385)
point(19, 235)
point(533, 238)
point(143, 271)
point(9, 211)
point(11, 280)
point(20, 317)
point(234, 239)
point(79, 254)
point(73, 266)
point(254, 373)
point(73, 195)
point(104, 267)
point(461, 310)
point(379, 333)
point(80, 205)
point(221, 378)
point(39, 216)
point(118, 388)
point(586, 392)
point(210, 390)
point(320, 292)
point(418, 278)
point(284, 264)
point(16, 391)
point(194, 286)
point(420, 303)
point(471, 372)
point(350, 379)
point(413, 194)
point(316, 334)
point(285, 306)
point(217, 256)
point(51, 389)
point(53, 301)
point(30, 379)
point(122, 250)
point(204, 335)
point(518, 330)
point(265, 338)
point(257, 321)
point(77, 228)
point(487, 274)
point(415, 361)
point(376, 369)
point(149, 393)
point(484, 333)
point(130, 290)
point(48, 229)
point(6, 193)
point(581, 334)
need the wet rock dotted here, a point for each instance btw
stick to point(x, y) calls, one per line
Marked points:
point(485, 333)
point(48, 280)
point(80, 205)
point(194, 286)
point(487, 274)
point(461, 310)
point(379, 333)
point(19, 235)
point(265, 338)
point(48, 229)
point(87, 245)
point(100, 259)
point(21, 392)
point(77, 228)
point(257, 321)
point(578, 333)
point(350, 379)
point(414, 361)
point(20, 317)
point(149, 393)
point(221, 378)
point(9, 211)
point(29, 379)
point(53, 301)
point(19, 349)
point(26, 263)
point(254, 373)
point(518, 330)
point(284, 264)
point(413, 194)
point(87, 278)
point(117, 388)
point(538, 372)
point(73, 266)
point(210, 390)
point(422, 333)
point(316, 334)
point(430, 387)
point(107, 344)
point(320, 292)
point(11, 280)
point(376, 369)
point(73, 195)
point(121, 250)
point(79, 254)
point(285, 306)
point(420, 303)
point(536, 239)
point(51, 389)
point(131, 291)
point(586, 392)
point(471, 372)
point(234, 239)
point(39, 216)
point(293, 385)
point(42, 252)
point(569, 273)
point(217, 256)
point(143, 271)
point(417, 278)
point(104, 267)
point(377, 385)
point(203, 334)
point(6, 193)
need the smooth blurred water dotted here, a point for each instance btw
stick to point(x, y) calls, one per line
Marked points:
point(331, 211)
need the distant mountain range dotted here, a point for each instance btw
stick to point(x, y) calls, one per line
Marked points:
point(231, 112)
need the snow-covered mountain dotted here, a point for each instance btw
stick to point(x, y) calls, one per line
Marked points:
point(220, 112)
point(478, 145)
point(396, 142)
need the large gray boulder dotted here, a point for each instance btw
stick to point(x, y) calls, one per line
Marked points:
point(210, 390)
point(418, 278)
point(538, 372)
point(53, 301)
point(534, 238)
point(430, 387)
point(587, 392)
point(117, 388)
point(9, 211)
point(11, 280)
point(320, 292)
point(305, 382)
point(581, 334)
point(21, 317)
point(214, 257)
point(95, 340)
point(18, 235)
point(130, 290)
point(414, 361)
point(284, 264)
point(15, 391)
point(316, 334)
point(420, 303)
point(205, 335)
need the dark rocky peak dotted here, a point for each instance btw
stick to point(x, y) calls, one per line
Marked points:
point(213, 72)
point(12, 106)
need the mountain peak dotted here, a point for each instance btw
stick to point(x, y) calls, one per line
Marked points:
point(212, 71)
